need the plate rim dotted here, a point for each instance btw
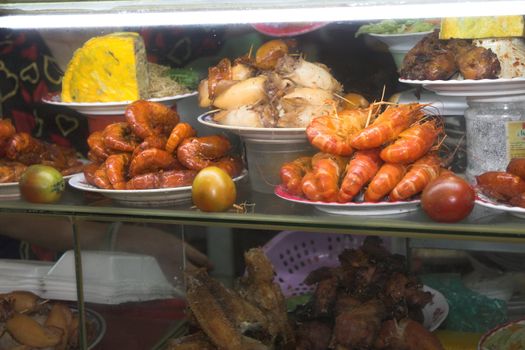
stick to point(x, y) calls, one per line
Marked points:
point(77, 178)
point(12, 184)
point(486, 202)
point(102, 321)
point(464, 82)
point(280, 189)
point(113, 104)
point(241, 129)
point(496, 329)
point(400, 35)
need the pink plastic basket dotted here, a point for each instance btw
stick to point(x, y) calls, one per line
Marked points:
point(294, 254)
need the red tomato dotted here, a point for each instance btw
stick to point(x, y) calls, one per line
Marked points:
point(448, 198)
point(213, 190)
point(41, 184)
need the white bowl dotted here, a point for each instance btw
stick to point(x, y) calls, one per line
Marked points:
point(399, 44)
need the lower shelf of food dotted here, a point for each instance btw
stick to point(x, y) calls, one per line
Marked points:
point(334, 292)
point(299, 291)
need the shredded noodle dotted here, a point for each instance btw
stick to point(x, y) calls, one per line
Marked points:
point(161, 85)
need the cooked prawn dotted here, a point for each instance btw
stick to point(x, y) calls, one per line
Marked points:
point(388, 125)
point(180, 132)
point(150, 160)
point(97, 146)
point(119, 137)
point(7, 130)
point(89, 172)
point(199, 152)
point(148, 118)
point(101, 179)
point(384, 181)
point(162, 179)
point(231, 164)
point(359, 171)
point(332, 133)
point(412, 143)
point(116, 169)
point(24, 148)
point(417, 178)
point(150, 142)
point(322, 182)
point(292, 173)
point(11, 171)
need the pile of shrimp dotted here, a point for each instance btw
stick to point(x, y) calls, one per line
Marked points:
point(273, 88)
point(153, 149)
point(382, 152)
point(18, 150)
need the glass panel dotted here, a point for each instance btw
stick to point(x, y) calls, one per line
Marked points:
point(155, 13)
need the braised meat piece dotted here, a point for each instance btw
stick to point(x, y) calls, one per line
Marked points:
point(372, 289)
point(406, 335)
point(358, 328)
point(325, 296)
point(313, 335)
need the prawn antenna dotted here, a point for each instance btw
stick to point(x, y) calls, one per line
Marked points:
point(345, 99)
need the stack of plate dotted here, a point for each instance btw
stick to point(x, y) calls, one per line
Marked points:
point(109, 278)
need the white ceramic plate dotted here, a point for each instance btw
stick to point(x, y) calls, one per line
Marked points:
point(141, 198)
point(353, 208)
point(485, 338)
point(469, 87)
point(9, 190)
point(268, 135)
point(435, 312)
point(485, 201)
point(107, 108)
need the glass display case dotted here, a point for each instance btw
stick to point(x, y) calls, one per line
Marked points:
point(123, 297)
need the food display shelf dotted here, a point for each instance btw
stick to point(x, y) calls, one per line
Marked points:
point(267, 211)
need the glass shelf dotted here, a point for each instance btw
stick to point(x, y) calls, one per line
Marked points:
point(77, 14)
point(271, 212)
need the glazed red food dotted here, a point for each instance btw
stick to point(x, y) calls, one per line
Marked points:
point(517, 167)
point(448, 198)
point(500, 185)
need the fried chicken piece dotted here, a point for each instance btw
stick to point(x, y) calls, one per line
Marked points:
point(479, 63)
point(325, 296)
point(406, 334)
point(474, 62)
point(429, 59)
point(220, 312)
point(258, 288)
point(358, 327)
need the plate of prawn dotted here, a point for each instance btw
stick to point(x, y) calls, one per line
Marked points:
point(352, 208)
point(108, 108)
point(141, 198)
point(269, 135)
point(471, 87)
